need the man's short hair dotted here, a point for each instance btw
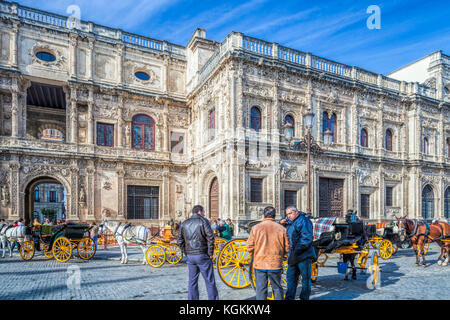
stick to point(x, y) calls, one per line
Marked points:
point(269, 212)
point(197, 208)
point(291, 208)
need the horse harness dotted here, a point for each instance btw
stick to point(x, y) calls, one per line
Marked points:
point(126, 226)
point(427, 233)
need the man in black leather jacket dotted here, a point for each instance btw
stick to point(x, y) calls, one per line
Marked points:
point(196, 239)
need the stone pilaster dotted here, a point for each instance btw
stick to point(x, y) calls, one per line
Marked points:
point(14, 36)
point(73, 42)
point(90, 67)
point(15, 113)
point(91, 191)
point(15, 190)
point(90, 118)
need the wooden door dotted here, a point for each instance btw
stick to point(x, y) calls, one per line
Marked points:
point(214, 200)
point(331, 202)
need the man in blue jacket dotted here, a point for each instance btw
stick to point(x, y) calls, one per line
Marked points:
point(301, 253)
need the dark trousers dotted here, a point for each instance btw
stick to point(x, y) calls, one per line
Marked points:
point(261, 279)
point(302, 268)
point(201, 263)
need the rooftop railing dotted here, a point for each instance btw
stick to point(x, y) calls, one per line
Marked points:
point(275, 51)
point(22, 13)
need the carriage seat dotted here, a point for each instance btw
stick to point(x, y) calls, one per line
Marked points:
point(340, 220)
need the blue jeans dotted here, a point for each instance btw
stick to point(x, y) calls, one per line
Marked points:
point(201, 263)
point(303, 268)
point(15, 243)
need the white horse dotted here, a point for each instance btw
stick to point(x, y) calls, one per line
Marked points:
point(8, 236)
point(132, 234)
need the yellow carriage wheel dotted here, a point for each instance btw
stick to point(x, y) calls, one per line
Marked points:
point(46, 250)
point(270, 294)
point(385, 249)
point(155, 256)
point(314, 271)
point(27, 250)
point(233, 264)
point(218, 245)
point(375, 270)
point(62, 249)
point(86, 248)
point(173, 253)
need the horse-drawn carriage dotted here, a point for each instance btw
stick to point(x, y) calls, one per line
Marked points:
point(59, 242)
point(164, 248)
point(234, 264)
point(385, 237)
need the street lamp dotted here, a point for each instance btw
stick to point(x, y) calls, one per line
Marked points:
point(308, 145)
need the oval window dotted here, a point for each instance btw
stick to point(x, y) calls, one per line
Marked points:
point(142, 75)
point(45, 56)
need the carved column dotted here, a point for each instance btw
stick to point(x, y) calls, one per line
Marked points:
point(91, 191)
point(73, 208)
point(121, 192)
point(165, 195)
point(73, 41)
point(166, 147)
point(73, 115)
point(354, 124)
point(120, 123)
point(15, 113)
point(440, 151)
point(15, 190)
point(14, 36)
point(90, 116)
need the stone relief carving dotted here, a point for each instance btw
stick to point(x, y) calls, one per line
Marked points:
point(292, 172)
point(366, 179)
point(5, 195)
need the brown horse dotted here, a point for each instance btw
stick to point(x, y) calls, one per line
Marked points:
point(419, 232)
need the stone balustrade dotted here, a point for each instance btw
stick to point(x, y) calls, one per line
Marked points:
point(50, 20)
point(275, 51)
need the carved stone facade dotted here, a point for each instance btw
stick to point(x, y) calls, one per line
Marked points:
point(96, 69)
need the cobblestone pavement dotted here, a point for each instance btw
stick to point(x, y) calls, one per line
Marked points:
point(105, 278)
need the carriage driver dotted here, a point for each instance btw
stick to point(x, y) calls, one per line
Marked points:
point(196, 239)
point(301, 253)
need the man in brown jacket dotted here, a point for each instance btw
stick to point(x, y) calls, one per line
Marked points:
point(268, 244)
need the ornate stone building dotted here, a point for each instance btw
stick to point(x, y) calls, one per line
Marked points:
point(139, 129)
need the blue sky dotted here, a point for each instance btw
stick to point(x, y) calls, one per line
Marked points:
point(335, 30)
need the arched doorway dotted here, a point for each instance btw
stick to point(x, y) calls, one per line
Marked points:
point(447, 203)
point(214, 199)
point(427, 202)
point(45, 198)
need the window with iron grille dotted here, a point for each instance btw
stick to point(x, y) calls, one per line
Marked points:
point(389, 196)
point(105, 134)
point(290, 198)
point(365, 205)
point(143, 202)
point(256, 189)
